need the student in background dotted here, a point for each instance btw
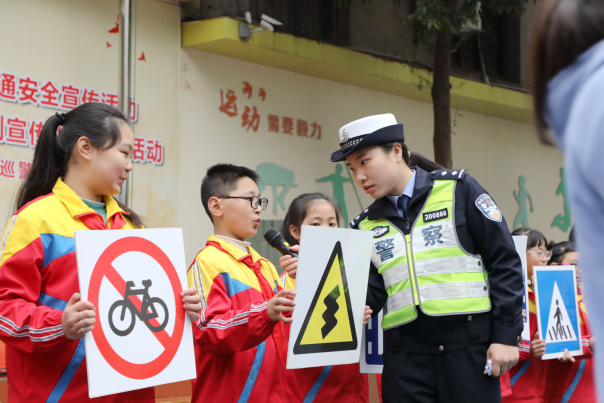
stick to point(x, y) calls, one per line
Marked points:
point(74, 174)
point(240, 338)
point(333, 383)
point(572, 381)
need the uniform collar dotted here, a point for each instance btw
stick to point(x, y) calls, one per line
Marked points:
point(235, 251)
point(408, 191)
point(76, 206)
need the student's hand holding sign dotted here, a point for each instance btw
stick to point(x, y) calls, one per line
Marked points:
point(280, 304)
point(78, 318)
point(537, 346)
point(191, 302)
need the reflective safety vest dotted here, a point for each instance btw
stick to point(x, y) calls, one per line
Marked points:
point(429, 267)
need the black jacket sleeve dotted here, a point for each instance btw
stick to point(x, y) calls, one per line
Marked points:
point(376, 291)
point(494, 243)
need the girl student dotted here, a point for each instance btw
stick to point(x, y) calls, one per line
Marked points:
point(341, 383)
point(81, 160)
point(572, 380)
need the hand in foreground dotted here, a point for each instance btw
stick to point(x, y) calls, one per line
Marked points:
point(537, 346)
point(281, 303)
point(78, 317)
point(368, 312)
point(290, 264)
point(504, 358)
point(566, 357)
point(191, 303)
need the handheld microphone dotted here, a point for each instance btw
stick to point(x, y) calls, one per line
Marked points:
point(276, 240)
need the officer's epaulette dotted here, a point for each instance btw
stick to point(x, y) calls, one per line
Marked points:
point(449, 174)
point(354, 224)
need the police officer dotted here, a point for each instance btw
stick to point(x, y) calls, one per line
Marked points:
point(444, 269)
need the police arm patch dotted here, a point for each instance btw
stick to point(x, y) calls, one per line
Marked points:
point(487, 206)
point(380, 231)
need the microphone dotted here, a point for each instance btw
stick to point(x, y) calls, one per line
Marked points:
point(276, 240)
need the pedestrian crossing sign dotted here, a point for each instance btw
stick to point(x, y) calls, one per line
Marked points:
point(558, 310)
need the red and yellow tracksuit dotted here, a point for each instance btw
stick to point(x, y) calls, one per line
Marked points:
point(38, 276)
point(573, 382)
point(333, 383)
point(240, 352)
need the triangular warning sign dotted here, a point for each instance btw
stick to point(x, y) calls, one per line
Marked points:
point(329, 324)
point(559, 325)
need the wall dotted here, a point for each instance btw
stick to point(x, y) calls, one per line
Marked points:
point(496, 152)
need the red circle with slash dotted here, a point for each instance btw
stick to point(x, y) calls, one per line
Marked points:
point(104, 268)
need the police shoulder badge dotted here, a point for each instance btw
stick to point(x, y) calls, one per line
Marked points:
point(381, 230)
point(487, 206)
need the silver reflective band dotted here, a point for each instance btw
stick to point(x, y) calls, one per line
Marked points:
point(447, 265)
point(472, 289)
point(395, 275)
point(399, 300)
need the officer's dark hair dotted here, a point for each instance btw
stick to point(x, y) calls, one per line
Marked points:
point(297, 213)
point(415, 160)
point(535, 238)
point(221, 179)
point(564, 29)
point(561, 249)
point(99, 123)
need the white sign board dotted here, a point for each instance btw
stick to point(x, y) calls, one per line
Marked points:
point(142, 336)
point(372, 348)
point(331, 290)
point(558, 310)
point(521, 242)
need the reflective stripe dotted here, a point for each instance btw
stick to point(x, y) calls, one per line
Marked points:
point(471, 289)
point(395, 275)
point(447, 265)
point(399, 300)
point(434, 235)
point(254, 371)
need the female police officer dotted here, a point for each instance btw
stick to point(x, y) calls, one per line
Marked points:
point(444, 269)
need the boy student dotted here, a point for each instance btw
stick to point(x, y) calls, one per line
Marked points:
point(444, 269)
point(241, 345)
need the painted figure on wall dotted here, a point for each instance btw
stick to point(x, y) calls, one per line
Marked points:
point(563, 221)
point(274, 175)
point(338, 181)
point(523, 194)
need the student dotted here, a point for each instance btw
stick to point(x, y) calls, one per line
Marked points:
point(527, 378)
point(331, 383)
point(572, 380)
point(74, 174)
point(438, 236)
point(240, 338)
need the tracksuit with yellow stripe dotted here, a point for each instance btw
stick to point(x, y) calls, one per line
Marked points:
point(38, 276)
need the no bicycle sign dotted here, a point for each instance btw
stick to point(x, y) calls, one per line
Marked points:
point(142, 336)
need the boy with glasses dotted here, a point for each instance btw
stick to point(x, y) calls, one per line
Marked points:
point(240, 339)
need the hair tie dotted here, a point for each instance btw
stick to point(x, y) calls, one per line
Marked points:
point(61, 117)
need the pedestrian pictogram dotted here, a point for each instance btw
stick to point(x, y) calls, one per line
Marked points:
point(560, 327)
point(329, 323)
point(149, 310)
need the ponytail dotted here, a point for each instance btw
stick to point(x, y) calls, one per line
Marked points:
point(415, 160)
point(99, 123)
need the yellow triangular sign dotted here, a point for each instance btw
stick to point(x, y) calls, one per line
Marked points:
point(329, 324)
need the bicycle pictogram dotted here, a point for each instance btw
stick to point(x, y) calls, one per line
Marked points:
point(148, 312)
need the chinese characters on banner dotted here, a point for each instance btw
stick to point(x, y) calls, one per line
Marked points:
point(250, 119)
point(26, 90)
point(23, 133)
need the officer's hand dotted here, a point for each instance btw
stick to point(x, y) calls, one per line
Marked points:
point(280, 303)
point(78, 317)
point(504, 358)
point(566, 357)
point(537, 346)
point(368, 312)
point(191, 303)
point(290, 264)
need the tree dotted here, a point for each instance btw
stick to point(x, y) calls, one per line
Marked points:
point(443, 19)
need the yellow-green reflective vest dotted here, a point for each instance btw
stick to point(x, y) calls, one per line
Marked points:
point(429, 267)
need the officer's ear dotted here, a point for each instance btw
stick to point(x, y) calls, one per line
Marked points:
point(397, 149)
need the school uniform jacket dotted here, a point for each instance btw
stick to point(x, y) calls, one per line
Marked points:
point(38, 276)
point(333, 383)
point(573, 382)
point(240, 352)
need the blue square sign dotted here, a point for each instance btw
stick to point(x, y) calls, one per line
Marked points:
point(372, 347)
point(558, 310)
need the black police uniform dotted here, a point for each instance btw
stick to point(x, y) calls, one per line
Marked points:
point(442, 358)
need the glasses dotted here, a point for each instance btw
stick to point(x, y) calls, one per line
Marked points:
point(541, 254)
point(255, 201)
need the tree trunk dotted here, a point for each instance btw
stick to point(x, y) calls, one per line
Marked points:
point(441, 99)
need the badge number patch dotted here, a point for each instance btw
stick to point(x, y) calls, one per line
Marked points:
point(487, 206)
point(380, 231)
point(436, 215)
